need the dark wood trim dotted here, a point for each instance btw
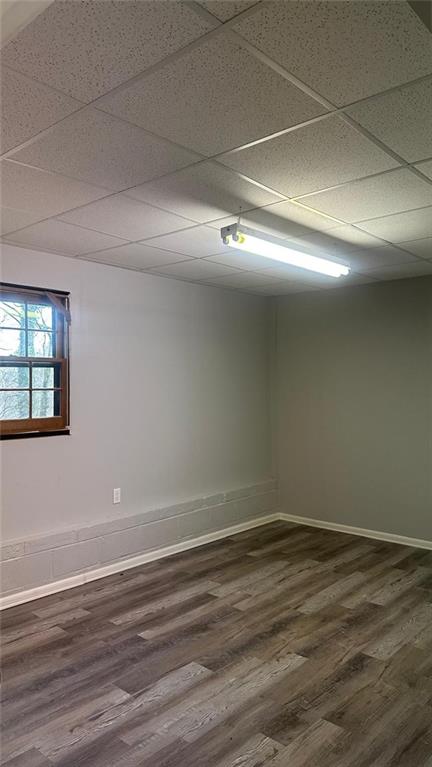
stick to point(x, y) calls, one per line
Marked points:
point(30, 434)
point(34, 289)
point(60, 332)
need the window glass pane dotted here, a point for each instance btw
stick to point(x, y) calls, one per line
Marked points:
point(43, 377)
point(39, 317)
point(12, 343)
point(42, 404)
point(12, 377)
point(14, 404)
point(12, 314)
point(40, 343)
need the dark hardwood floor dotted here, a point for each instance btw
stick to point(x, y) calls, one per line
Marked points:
point(284, 646)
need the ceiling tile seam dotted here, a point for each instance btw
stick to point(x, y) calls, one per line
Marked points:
point(282, 71)
point(243, 211)
point(333, 109)
point(421, 162)
point(37, 248)
point(378, 143)
point(58, 217)
point(58, 174)
point(44, 132)
point(389, 215)
point(395, 245)
point(277, 134)
point(10, 152)
point(176, 55)
point(417, 172)
point(203, 13)
point(128, 267)
point(358, 180)
point(387, 91)
point(404, 250)
point(404, 165)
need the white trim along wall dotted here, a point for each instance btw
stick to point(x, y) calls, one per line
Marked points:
point(252, 507)
point(40, 565)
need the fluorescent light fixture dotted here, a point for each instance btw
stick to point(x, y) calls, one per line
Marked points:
point(250, 241)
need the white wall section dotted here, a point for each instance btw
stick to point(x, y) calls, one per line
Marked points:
point(169, 398)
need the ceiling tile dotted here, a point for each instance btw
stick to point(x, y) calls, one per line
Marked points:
point(347, 236)
point(361, 260)
point(315, 157)
point(306, 277)
point(347, 282)
point(62, 238)
point(123, 217)
point(295, 274)
point(87, 48)
point(339, 241)
point(401, 227)
point(239, 260)
point(282, 288)
point(426, 168)
point(226, 9)
point(28, 107)
point(100, 149)
point(401, 271)
point(203, 192)
point(420, 248)
point(382, 195)
point(283, 219)
point(197, 269)
point(198, 242)
point(40, 192)
point(402, 119)
point(12, 219)
point(345, 50)
point(245, 280)
point(215, 97)
point(304, 218)
point(137, 255)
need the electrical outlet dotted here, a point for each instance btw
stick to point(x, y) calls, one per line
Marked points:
point(117, 495)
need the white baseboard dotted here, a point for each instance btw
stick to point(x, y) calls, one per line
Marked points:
point(404, 540)
point(53, 587)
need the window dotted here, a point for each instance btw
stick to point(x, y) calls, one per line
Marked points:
point(33, 361)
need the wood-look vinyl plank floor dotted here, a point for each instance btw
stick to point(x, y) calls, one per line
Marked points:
point(283, 646)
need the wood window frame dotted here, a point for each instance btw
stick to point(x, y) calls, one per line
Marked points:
point(59, 423)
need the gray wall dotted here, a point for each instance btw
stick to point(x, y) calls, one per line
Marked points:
point(169, 398)
point(353, 391)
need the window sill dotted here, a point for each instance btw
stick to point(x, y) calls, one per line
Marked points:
point(32, 434)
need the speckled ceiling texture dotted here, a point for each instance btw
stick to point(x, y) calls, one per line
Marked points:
point(132, 131)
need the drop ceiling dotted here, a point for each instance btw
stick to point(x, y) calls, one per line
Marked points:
point(133, 130)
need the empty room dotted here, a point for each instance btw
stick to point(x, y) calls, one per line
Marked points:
point(216, 383)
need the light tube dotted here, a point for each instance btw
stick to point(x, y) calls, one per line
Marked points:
point(250, 243)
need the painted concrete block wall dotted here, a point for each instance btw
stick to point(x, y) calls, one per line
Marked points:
point(353, 397)
point(30, 563)
point(169, 399)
